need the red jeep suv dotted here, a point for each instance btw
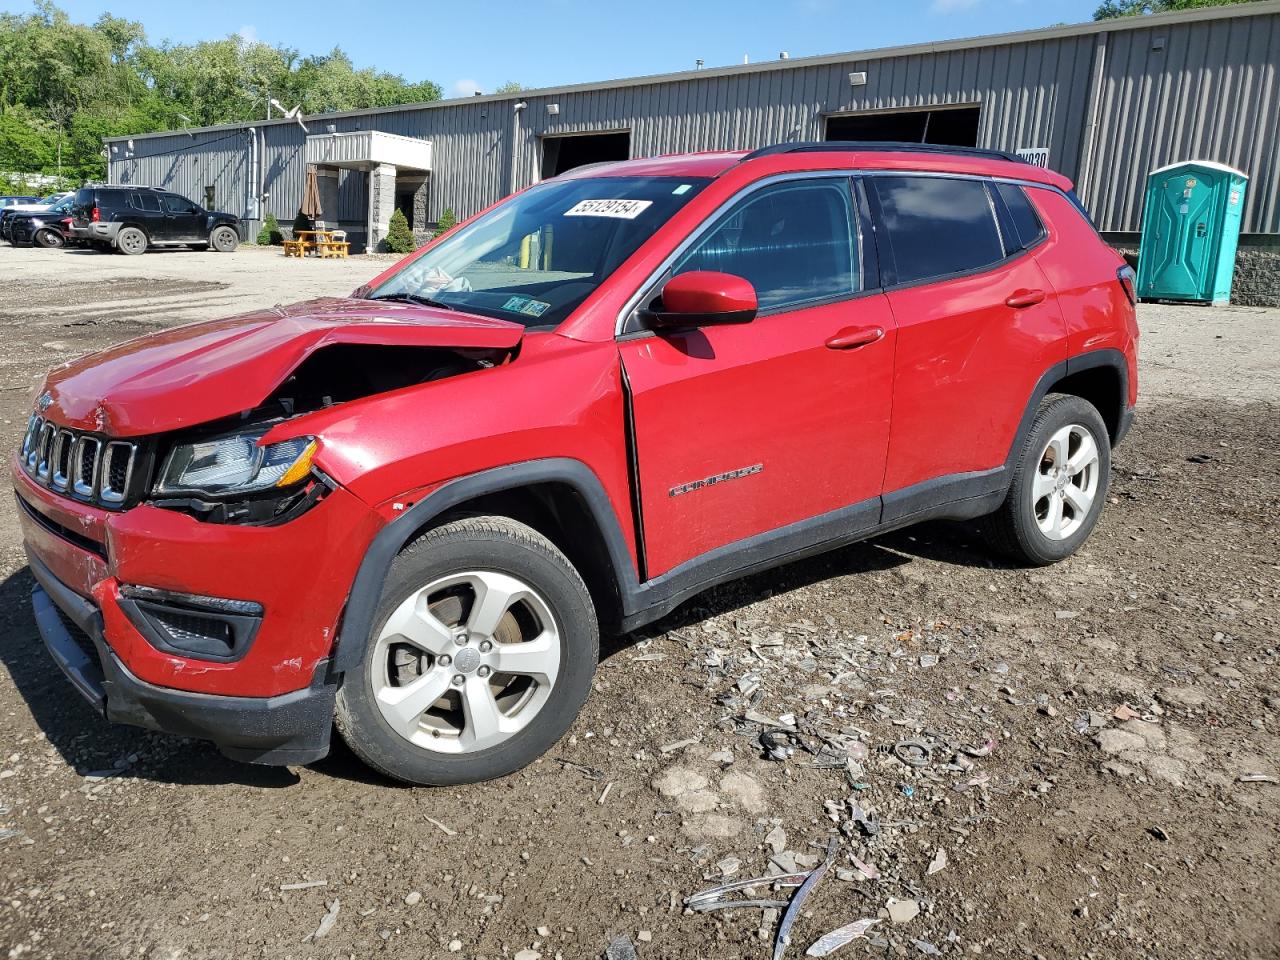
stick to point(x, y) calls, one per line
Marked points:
point(410, 512)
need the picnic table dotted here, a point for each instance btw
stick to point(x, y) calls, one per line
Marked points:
point(323, 243)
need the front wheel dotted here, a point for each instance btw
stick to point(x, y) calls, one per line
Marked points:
point(1060, 482)
point(223, 239)
point(50, 238)
point(482, 654)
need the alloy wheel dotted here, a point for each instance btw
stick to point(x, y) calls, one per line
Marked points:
point(1066, 482)
point(466, 662)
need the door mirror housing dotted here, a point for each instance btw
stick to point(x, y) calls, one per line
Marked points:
point(703, 298)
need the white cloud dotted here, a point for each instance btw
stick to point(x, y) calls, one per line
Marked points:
point(248, 35)
point(465, 88)
point(952, 6)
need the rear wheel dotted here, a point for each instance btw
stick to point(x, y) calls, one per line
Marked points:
point(482, 654)
point(50, 238)
point(1059, 486)
point(132, 241)
point(223, 239)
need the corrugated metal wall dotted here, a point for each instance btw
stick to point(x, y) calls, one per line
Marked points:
point(1211, 93)
point(1207, 91)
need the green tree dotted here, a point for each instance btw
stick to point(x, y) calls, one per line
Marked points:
point(448, 220)
point(270, 235)
point(1110, 9)
point(510, 86)
point(399, 236)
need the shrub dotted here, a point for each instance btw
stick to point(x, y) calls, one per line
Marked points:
point(399, 236)
point(446, 222)
point(270, 234)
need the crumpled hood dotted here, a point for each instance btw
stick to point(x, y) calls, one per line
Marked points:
point(218, 368)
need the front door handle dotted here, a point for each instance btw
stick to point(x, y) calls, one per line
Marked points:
point(1025, 298)
point(852, 337)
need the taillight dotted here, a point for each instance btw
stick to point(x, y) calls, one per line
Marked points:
point(1127, 277)
point(65, 221)
point(94, 215)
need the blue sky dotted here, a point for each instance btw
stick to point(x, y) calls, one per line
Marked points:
point(538, 43)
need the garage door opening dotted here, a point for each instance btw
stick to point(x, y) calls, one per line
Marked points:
point(575, 150)
point(948, 126)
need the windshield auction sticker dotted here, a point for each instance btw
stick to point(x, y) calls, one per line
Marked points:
point(618, 209)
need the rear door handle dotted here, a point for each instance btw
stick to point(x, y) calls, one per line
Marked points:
point(1025, 298)
point(852, 337)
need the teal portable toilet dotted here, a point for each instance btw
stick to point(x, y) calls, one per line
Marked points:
point(1189, 232)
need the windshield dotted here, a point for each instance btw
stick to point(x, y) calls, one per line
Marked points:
point(533, 259)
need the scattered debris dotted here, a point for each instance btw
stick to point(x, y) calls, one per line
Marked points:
point(938, 863)
point(1159, 833)
point(304, 885)
point(914, 753)
point(927, 948)
point(806, 888)
point(902, 911)
point(327, 921)
point(449, 831)
point(714, 898)
point(1258, 778)
point(678, 745)
point(831, 942)
point(620, 948)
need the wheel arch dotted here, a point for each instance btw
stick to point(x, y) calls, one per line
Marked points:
point(1100, 376)
point(560, 498)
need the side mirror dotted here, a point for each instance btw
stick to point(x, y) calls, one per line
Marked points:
point(703, 298)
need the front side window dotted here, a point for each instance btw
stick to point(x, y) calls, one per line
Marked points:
point(535, 258)
point(936, 226)
point(796, 242)
point(176, 204)
point(1027, 228)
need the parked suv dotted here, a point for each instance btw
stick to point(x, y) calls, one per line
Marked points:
point(134, 219)
point(45, 226)
point(411, 512)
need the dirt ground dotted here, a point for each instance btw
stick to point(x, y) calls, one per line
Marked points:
point(1098, 738)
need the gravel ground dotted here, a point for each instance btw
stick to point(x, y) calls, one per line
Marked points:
point(1099, 771)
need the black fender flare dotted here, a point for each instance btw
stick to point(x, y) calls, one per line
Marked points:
point(1104, 357)
point(366, 589)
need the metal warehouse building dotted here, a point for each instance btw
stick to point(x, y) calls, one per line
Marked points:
point(1104, 103)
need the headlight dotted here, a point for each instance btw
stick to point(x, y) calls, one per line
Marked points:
point(236, 465)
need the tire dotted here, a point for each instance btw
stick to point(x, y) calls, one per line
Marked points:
point(131, 241)
point(223, 240)
point(50, 239)
point(1049, 513)
point(429, 737)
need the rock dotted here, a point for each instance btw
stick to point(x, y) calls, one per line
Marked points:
point(543, 931)
point(1167, 770)
point(1184, 696)
point(776, 839)
point(413, 898)
point(1227, 673)
point(938, 863)
point(696, 801)
point(621, 948)
point(677, 780)
point(1120, 741)
point(455, 946)
point(902, 911)
point(528, 955)
point(644, 936)
point(744, 790)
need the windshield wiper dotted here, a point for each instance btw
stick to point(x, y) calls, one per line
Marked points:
point(415, 298)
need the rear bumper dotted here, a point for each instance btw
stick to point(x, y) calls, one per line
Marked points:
point(289, 728)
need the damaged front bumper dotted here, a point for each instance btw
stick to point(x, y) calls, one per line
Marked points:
point(290, 728)
point(102, 576)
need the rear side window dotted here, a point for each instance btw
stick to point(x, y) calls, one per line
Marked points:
point(936, 226)
point(1027, 228)
point(146, 202)
point(796, 242)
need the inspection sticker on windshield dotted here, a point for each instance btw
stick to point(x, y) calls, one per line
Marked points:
point(527, 306)
point(618, 209)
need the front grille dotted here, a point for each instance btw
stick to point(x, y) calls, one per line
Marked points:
point(78, 464)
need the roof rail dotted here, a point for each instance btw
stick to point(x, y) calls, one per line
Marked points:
point(879, 146)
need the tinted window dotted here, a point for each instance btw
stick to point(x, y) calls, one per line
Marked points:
point(146, 202)
point(796, 243)
point(176, 204)
point(937, 226)
point(1026, 225)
